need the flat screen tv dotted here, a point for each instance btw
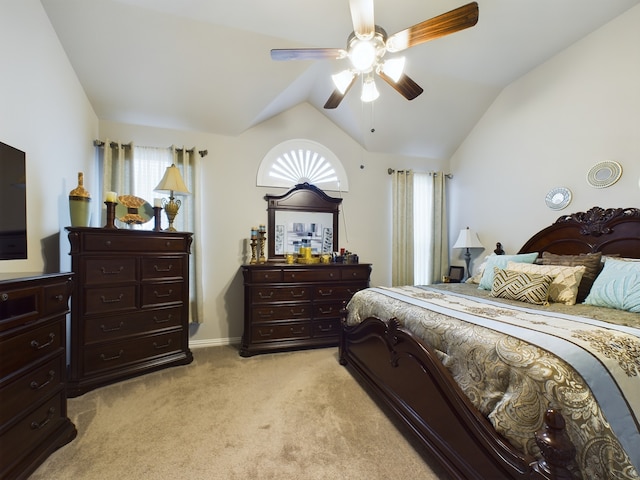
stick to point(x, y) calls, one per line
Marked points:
point(13, 199)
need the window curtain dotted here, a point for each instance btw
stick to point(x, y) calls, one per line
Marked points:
point(188, 161)
point(115, 162)
point(439, 246)
point(403, 237)
point(420, 233)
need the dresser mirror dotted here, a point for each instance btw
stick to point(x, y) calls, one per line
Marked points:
point(304, 216)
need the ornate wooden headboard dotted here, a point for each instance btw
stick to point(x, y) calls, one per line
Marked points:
point(610, 231)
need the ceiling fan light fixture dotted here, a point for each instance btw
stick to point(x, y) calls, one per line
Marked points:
point(343, 80)
point(394, 68)
point(363, 55)
point(369, 90)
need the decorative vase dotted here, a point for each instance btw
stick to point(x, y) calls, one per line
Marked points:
point(80, 204)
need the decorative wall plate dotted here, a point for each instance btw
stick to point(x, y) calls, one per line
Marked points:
point(604, 174)
point(133, 210)
point(558, 198)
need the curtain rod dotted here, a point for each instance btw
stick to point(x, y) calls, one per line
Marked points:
point(100, 143)
point(391, 171)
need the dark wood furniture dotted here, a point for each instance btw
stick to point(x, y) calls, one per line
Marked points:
point(130, 304)
point(296, 306)
point(33, 401)
point(409, 379)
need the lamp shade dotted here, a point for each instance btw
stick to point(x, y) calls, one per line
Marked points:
point(172, 182)
point(467, 239)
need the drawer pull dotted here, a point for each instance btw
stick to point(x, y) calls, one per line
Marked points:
point(325, 293)
point(161, 347)
point(326, 311)
point(158, 269)
point(37, 346)
point(263, 296)
point(112, 329)
point(265, 314)
point(43, 423)
point(331, 274)
point(4, 297)
point(58, 298)
point(167, 244)
point(162, 295)
point(37, 386)
point(112, 272)
point(267, 334)
point(107, 243)
point(294, 295)
point(297, 331)
point(324, 328)
point(104, 358)
point(112, 300)
point(295, 313)
point(162, 320)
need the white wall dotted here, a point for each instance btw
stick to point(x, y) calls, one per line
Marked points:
point(233, 203)
point(548, 129)
point(45, 113)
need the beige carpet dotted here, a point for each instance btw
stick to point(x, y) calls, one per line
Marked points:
point(297, 415)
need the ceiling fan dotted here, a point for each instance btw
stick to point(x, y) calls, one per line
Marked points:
point(368, 44)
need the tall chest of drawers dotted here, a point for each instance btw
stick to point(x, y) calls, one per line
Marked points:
point(33, 401)
point(130, 304)
point(289, 307)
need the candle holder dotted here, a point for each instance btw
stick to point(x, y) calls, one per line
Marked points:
point(261, 239)
point(111, 215)
point(157, 218)
point(254, 243)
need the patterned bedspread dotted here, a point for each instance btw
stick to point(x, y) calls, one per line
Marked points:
point(513, 360)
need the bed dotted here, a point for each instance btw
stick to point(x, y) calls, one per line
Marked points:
point(500, 388)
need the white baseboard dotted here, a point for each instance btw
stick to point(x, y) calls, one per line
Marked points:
point(214, 342)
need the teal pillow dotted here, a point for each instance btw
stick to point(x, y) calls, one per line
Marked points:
point(617, 286)
point(500, 261)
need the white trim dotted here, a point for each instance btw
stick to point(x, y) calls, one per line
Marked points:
point(214, 342)
point(302, 161)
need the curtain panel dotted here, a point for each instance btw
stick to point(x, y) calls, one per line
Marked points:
point(402, 243)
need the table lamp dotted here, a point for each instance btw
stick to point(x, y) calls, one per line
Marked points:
point(467, 239)
point(172, 182)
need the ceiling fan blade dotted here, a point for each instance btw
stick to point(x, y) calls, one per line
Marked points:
point(337, 96)
point(362, 18)
point(307, 53)
point(404, 86)
point(450, 22)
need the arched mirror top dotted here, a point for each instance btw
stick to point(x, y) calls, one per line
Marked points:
point(305, 215)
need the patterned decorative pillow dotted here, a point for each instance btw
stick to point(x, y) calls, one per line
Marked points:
point(617, 286)
point(566, 280)
point(592, 262)
point(521, 286)
point(500, 261)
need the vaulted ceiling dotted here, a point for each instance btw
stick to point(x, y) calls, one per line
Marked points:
point(204, 65)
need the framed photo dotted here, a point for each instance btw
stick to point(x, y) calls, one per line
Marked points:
point(456, 274)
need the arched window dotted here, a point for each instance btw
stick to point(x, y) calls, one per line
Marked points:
point(302, 161)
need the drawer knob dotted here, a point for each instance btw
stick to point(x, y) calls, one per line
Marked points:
point(112, 329)
point(160, 269)
point(107, 243)
point(39, 346)
point(104, 358)
point(112, 300)
point(162, 295)
point(4, 297)
point(37, 386)
point(111, 272)
point(39, 425)
point(162, 347)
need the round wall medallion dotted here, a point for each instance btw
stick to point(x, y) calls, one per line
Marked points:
point(604, 174)
point(558, 198)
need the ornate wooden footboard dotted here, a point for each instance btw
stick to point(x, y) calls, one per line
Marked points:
point(407, 376)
